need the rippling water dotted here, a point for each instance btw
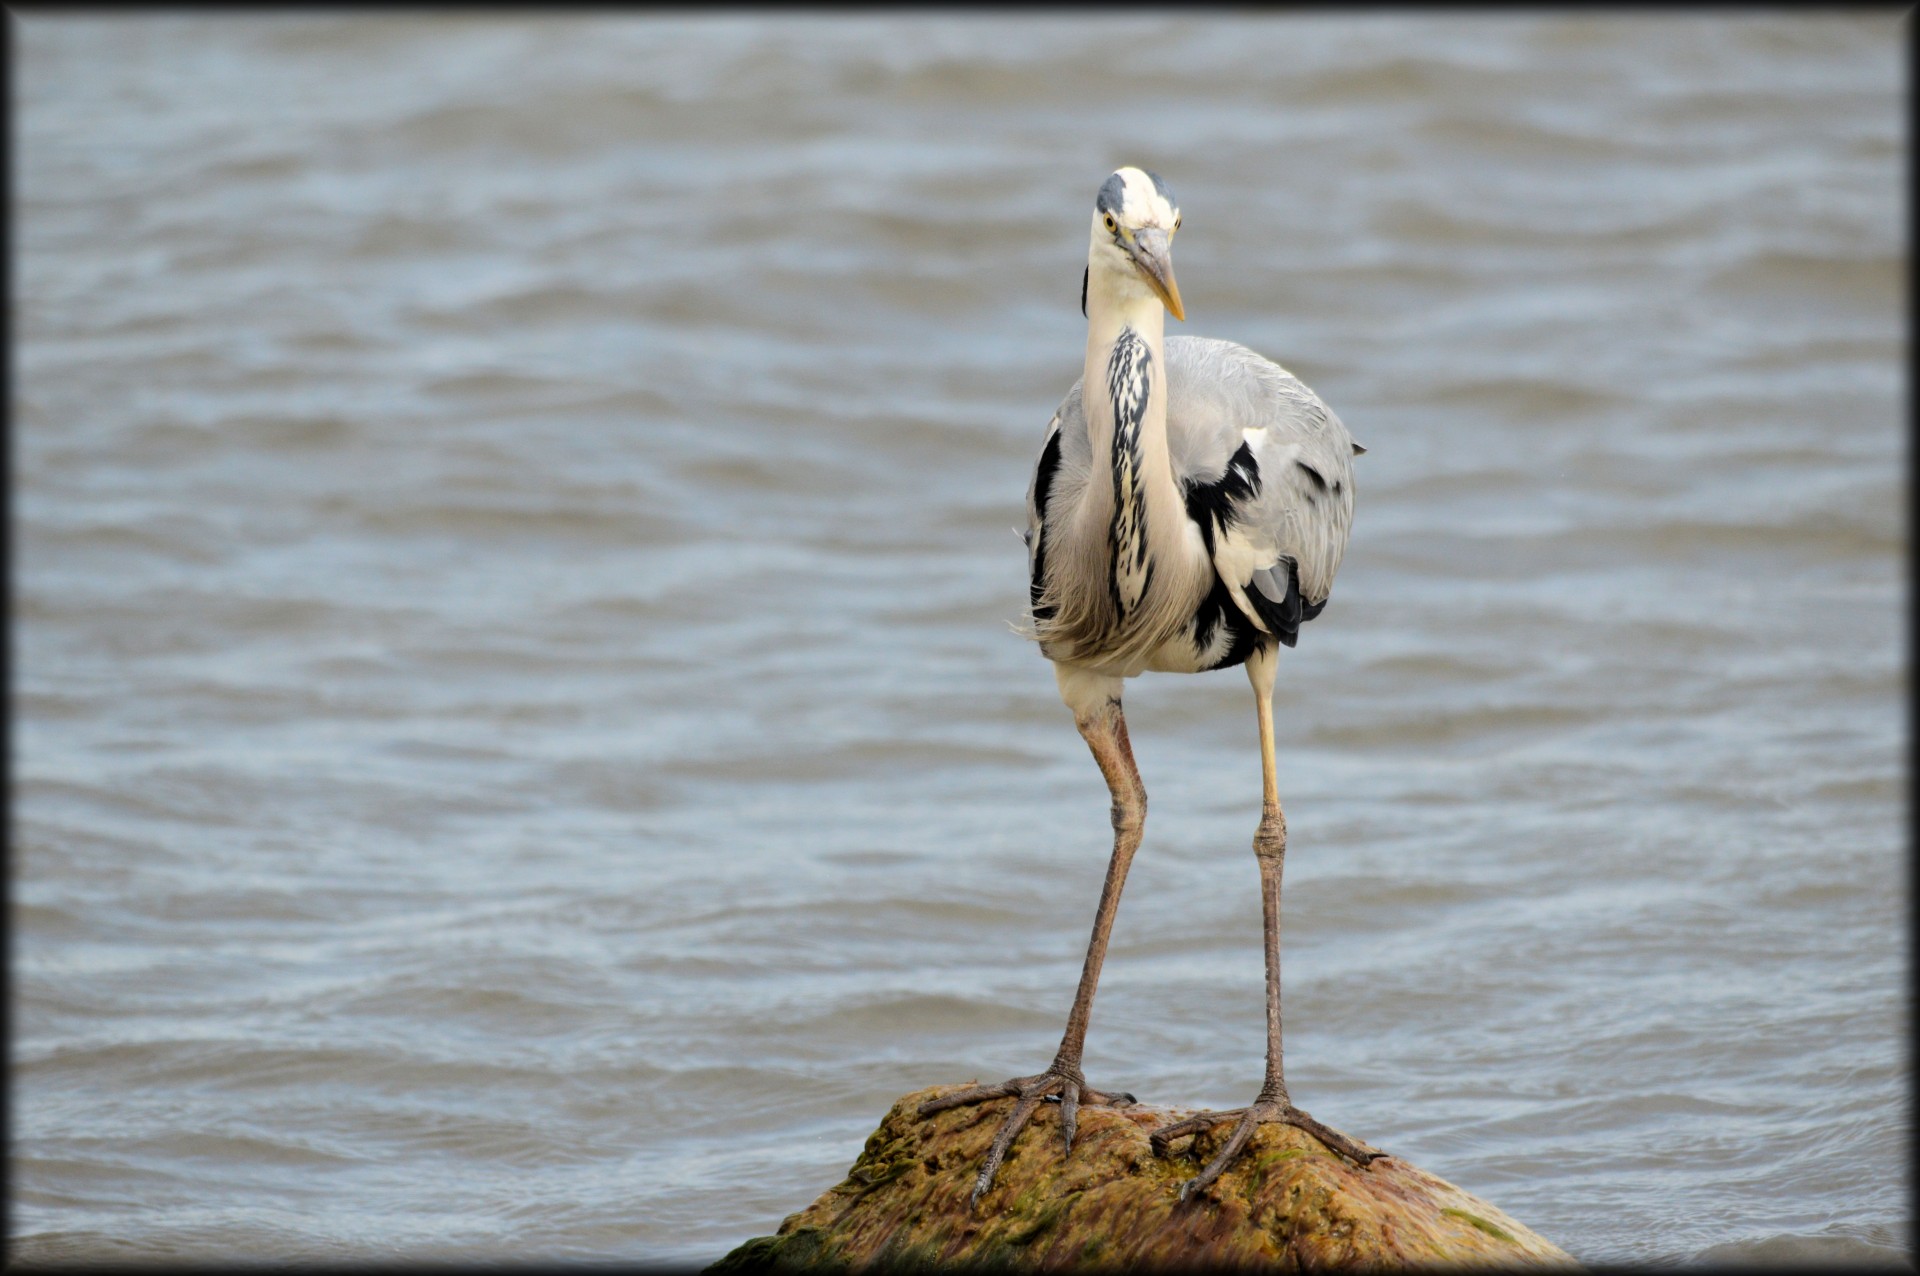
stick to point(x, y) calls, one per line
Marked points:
point(518, 750)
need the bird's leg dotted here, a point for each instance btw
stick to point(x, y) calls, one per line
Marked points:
point(1104, 727)
point(1272, 1104)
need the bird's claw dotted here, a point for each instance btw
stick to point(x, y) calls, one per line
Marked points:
point(1118, 1099)
point(1250, 1119)
point(1069, 1091)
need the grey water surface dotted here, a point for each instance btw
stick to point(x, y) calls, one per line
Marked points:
point(519, 749)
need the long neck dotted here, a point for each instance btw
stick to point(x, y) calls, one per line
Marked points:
point(1125, 398)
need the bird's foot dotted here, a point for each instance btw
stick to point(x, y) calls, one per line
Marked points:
point(1065, 1087)
point(1263, 1112)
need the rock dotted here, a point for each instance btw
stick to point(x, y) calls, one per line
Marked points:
point(1286, 1203)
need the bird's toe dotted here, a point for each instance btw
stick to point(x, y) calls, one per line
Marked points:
point(1071, 1092)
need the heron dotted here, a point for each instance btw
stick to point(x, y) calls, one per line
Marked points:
point(1188, 511)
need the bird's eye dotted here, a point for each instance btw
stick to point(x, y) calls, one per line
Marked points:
point(1176, 221)
point(1111, 224)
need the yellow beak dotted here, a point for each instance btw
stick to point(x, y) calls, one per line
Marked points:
point(1153, 255)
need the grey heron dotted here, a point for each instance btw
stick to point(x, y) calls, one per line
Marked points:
point(1189, 509)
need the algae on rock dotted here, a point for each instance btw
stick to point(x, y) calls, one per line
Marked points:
point(1287, 1202)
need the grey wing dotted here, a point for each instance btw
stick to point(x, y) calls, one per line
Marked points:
point(1066, 460)
point(1267, 469)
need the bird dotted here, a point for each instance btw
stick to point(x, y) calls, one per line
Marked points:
point(1189, 508)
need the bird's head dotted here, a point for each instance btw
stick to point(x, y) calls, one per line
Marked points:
point(1134, 218)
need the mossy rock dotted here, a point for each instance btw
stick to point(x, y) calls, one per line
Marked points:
point(1286, 1203)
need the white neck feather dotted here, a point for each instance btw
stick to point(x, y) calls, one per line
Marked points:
point(1132, 499)
point(1117, 302)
